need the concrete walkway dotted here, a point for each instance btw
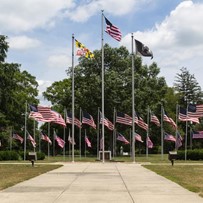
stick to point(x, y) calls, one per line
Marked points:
point(98, 182)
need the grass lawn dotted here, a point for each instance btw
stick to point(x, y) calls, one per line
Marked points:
point(11, 174)
point(188, 176)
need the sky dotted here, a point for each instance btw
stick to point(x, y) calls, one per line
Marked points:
point(40, 33)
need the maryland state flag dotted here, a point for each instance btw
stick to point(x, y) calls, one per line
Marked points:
point(142, 49)
point(82, 50)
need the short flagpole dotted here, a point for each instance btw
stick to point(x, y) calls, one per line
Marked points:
point(80, 131)
point(73, 99)
point(102, 43)
point(133, 104)
point(148, 115)
point(64, 136)
point(162, 133)
point(98, 134)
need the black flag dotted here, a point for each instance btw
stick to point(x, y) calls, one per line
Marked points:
point(142, 49)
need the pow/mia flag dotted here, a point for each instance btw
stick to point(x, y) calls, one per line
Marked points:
point(142, 49)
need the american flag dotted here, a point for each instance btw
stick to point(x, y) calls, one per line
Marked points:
point(169, 137)
point(112, 30)
point(34, 114)
point(182, 116)
point(88, 119)
point(123, 118)
point(178, 141)
point(76, 121)
point(58, 119)
point(136, 118)
point(87, 141)
point(31, 139)
point(149, 142)
point(45, 137)
point(61, 142)
point(107, 122)
point(169, 120)
point(154, 120)
point(122, 138)
point(17, 137)
point(142, 124)
point(195, 110)
point(197, 134)
point(138, 137)
point(46, 113)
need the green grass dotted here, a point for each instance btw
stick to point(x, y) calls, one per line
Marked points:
point(188, 176)
point(11, 174)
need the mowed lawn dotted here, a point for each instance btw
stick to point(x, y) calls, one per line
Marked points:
point(11, 174)
point(188, 176)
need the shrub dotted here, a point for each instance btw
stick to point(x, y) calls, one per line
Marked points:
point(8, 155)
point(40, 156)
point(195, 154)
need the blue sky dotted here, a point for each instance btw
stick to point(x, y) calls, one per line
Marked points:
point(40, 32)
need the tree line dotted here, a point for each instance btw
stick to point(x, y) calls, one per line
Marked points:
point(151, 91)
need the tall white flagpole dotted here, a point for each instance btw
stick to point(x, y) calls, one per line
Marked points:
point(25, 128)
point(102, 44)
point(133, 103)
point(73, 100)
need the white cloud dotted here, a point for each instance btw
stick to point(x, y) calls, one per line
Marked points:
point(23, 42)
point(87, 9)
point(176, 42)
point(59, 61)
point(17, 16)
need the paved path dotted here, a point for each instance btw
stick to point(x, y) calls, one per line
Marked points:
point(98, 182)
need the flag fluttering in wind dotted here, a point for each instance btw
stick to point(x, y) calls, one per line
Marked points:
point(88, 119)
point(169, 137)
point(142, 124)
point(45, 137)
point(17, 137)
point(169, 120)
point(87, 141)
point(76, 121)
point(58, 119)
point(182, 116)
point(107, 122)
point(178, 141)
point(31, 139)
point(195, 110)
point(61, 142)
point(138, 137)
point(142, 49)
point(82, 50)
point(112, 30)
point(149, 142)
point(123, 118)
point(121, 138)
point(155, 120)
point(197, 134)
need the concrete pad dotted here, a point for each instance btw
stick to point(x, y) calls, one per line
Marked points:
point(98, 182)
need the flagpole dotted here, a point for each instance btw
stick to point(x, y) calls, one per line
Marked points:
point(80, 131)
point(102, 44)
point(48, 147)
point(114, 132)
point(54, 132)
point(148, 112)
point(162, 139)
point(133, 103)
point(98, 134)
point(11, 139)
point(85, 142)
point(177, 110)
point(186, 133)
point(73, 99)
point(25, 130)
point(64, 137)
point(34, 131)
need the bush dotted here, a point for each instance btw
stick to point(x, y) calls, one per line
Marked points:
point(8, 155)
point(40, 156)
point(195, 154)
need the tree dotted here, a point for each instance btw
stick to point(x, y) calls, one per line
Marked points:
point(3, 48)
point(188, 88)
point(149, 88)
